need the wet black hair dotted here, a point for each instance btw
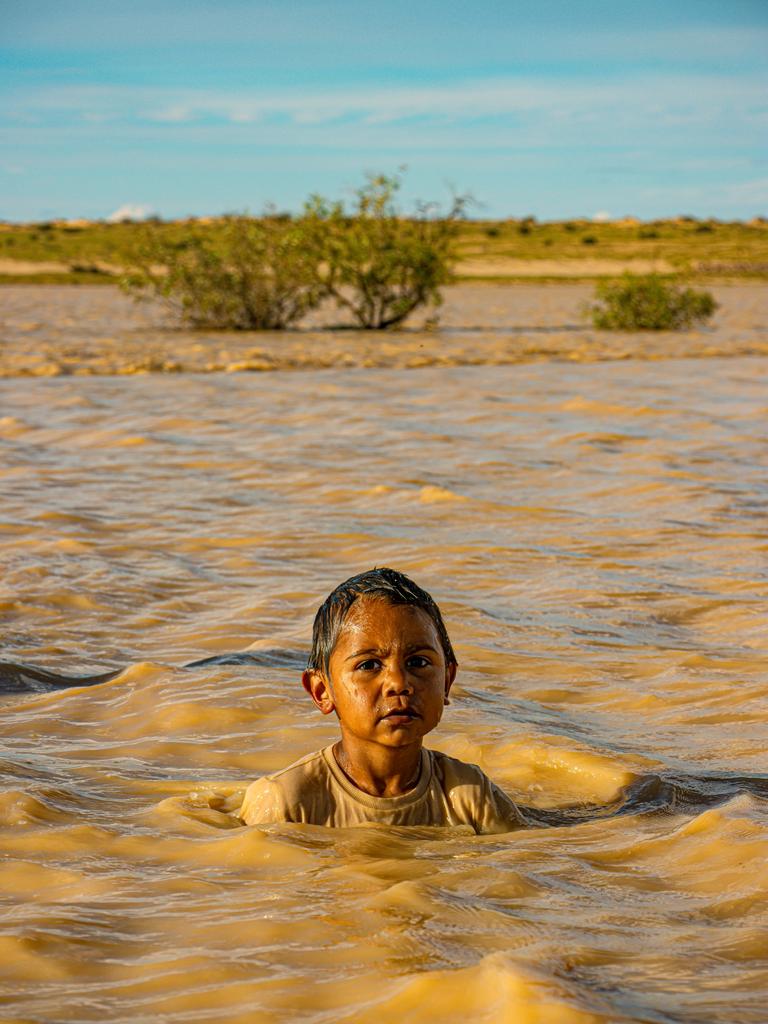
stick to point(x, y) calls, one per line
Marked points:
point(387, 584)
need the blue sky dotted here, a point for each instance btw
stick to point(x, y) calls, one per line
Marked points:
point(556, 108)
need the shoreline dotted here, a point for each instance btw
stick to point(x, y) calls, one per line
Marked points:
point(478, 276)
point(469, 270)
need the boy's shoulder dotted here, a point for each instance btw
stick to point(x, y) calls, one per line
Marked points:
point(474, 797)
point(282, 795)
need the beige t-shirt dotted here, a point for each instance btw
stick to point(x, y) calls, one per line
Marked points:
point(315, 791)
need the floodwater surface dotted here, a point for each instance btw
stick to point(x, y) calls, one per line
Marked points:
point(55, 330)
point(596, 536)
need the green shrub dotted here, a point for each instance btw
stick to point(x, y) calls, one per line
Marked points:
point(266, 273)
point(589, 240)
point(649, 303)
point(249, 274)
point(375, 262)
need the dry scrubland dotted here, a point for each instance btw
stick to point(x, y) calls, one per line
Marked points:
point(510, 250)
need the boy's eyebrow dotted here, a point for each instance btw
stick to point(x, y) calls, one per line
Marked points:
point(378, 650)
point(364, 650)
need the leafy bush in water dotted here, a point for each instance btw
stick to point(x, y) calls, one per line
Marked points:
point(649, 303)
point(249, 274)
point(376, 263)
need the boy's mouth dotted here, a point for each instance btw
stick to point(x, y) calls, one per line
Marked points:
point(401, 714)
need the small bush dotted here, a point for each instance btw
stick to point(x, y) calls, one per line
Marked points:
point(252, 274)
point(377, 263)
point(649, 303)
point(589, 240)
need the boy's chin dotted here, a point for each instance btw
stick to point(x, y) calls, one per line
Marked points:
point(403, 735)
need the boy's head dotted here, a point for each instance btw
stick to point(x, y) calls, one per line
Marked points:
point(381, 660)
point(385, 584)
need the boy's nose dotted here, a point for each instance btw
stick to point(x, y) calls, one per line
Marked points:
point(397, 680)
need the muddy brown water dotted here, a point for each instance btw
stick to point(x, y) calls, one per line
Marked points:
point(596, 535)
point(50, 331)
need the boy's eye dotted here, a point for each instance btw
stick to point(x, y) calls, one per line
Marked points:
point(368, 665)
point(418, 661)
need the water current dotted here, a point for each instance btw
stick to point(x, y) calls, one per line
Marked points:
point(596, 537)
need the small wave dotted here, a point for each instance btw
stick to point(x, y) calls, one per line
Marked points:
point(498, 988)
point(660, 794)
point(18, 678)
point(271, 657)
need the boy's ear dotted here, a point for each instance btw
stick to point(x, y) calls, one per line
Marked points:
point(318, 688)
point(450, 675)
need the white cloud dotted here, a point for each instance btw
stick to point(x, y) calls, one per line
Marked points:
point(601, 217)
point(130, 211)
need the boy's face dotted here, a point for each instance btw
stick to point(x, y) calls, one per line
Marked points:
point(388, 676)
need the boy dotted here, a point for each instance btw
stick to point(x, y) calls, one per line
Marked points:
point(382, 661)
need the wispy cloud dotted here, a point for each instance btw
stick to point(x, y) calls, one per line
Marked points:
point(667, 101)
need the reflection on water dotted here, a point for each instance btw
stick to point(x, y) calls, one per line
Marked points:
point(596, 536)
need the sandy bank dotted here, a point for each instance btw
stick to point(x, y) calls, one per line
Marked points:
point(480, 267)
point(515, 268)
point(52, 330)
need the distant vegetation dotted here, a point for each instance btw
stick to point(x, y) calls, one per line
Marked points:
point(266, 273)
point(252, 274)
point(649, 303)
point(376, 263)
point(504, 250)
